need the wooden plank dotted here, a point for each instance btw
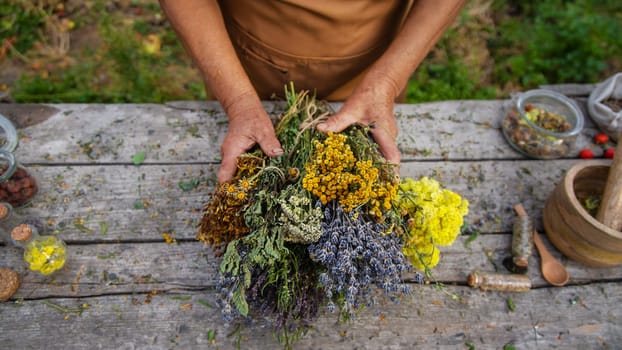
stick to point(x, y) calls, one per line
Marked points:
point(192, 132)
point(120, 202)
point(128, 203)
point(103, 133)
point(577, 317)
point(101, 269)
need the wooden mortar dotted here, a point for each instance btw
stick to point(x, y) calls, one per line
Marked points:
point(574, 231)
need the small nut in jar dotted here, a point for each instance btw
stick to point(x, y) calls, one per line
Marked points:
point(17, 185)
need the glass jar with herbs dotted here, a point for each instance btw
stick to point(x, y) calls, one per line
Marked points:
point(18, 185)
point(542, 124)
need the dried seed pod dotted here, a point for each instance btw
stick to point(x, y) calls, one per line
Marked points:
point(497, 281)
point(522, 240)
point(9, 283)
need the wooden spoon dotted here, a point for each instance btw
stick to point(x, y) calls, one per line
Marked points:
point(552, 270)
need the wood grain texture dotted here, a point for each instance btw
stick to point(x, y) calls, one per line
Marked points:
point(101, 269)
point(577, 317)
point(193, 131)
point(95, 203)
point(124, 287)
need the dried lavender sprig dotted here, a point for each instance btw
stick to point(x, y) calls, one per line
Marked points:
point(357, 253)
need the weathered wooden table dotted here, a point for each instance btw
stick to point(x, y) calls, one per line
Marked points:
point(126, 285)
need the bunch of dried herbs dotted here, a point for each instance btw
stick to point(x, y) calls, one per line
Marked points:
point(322, 225)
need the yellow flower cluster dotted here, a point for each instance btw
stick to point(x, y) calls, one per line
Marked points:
point(383, 194)
point(335, 173)
point(434, 218)
point(239, 192)
point(45, 254)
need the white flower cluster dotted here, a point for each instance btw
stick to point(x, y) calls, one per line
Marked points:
point(301, 221)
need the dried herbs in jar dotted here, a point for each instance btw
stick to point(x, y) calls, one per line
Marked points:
point(17, 184)
point(542, 124)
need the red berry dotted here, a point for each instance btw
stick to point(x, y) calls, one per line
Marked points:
point(586, 154)
point(609, 153)
point(601, 138)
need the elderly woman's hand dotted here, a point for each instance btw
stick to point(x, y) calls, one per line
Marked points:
point(248, 126)
point(370, 105)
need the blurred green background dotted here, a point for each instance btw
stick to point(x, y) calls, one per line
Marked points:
point(126, 51)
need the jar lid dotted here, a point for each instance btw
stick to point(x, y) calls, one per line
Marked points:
point(21, 233)
point(9, 283)
point(8, 135)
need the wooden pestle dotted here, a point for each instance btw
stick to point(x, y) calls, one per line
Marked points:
point(610, 210)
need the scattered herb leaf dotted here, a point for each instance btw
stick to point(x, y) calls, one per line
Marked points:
point(138, 158)
point(81, 227)
point(473, 236)
point(211, 335)
point(103, 227)
point(66, 310)
point(194, 131)
point(510, 303)
point(190, 185)
point(107, 256)
point(205, 303)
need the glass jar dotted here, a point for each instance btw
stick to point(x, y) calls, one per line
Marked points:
point(18, 185)
point(542, 124)
point(497, 281)
point(8, 135)
point(9, 219)
point(44, 254)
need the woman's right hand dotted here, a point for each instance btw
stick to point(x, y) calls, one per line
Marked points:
point(249, 125)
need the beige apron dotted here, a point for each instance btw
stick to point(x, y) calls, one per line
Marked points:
point(321, 45)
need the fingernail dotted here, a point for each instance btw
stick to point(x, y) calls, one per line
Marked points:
point(277, 151)
point(322, 127)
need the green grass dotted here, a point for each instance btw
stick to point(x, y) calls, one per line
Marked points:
point(532, 43)
point(557, 41)
point(120, 69)
point(21, 20)
point(492, 50)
